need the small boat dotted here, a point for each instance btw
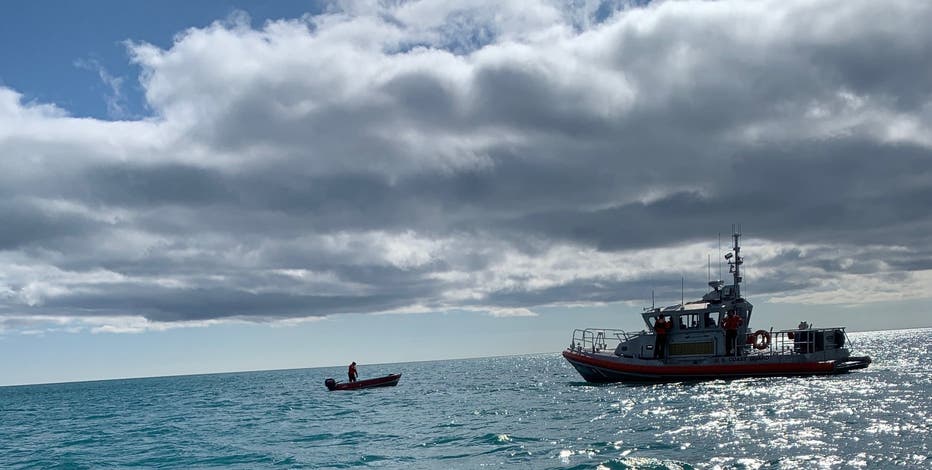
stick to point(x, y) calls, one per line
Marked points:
point(388, 381)
point(697, 347)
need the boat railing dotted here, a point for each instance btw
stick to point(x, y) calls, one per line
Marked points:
point(598, 339)
point(805, 341)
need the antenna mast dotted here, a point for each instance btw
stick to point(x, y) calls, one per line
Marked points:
point(735, 265)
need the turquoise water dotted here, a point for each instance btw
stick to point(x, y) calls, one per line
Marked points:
point(515, 412)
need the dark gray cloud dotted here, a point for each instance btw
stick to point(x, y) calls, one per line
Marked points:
point(847, 191)
point(28, 225)
point(439, 158)
point(203, 303)
point(155, 185)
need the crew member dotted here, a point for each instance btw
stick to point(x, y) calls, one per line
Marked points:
point(732, 322)
point(352, 372)
point(661, 327)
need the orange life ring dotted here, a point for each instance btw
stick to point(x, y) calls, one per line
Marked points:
point(761, 339)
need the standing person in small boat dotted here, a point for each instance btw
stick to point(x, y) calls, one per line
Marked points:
point(732, 322)
point(352, 372)
point(661, 327)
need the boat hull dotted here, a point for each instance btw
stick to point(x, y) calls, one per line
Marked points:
point(387, 381)
point(603, 369)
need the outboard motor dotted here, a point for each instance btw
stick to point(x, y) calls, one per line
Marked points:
point(330, 383)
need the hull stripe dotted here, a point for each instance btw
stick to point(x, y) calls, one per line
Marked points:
point(704, 370)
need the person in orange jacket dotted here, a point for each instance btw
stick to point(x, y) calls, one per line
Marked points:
point(661, 328)
point(731, 324)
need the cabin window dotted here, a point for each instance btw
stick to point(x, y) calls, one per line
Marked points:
point(689, 321)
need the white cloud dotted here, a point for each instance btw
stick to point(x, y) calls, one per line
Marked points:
point(511, 312)
point(115, 99)
point(856, 289)
point(491, 156)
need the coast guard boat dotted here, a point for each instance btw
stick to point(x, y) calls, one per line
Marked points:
point(695, 345)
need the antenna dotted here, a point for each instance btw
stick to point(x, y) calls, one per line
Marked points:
point(735, 265)
point(719, 255)
point(682, 293)
point(710, 267)
point(652, 299)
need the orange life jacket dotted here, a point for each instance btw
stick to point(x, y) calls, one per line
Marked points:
point(660, 327)
point(732, 323)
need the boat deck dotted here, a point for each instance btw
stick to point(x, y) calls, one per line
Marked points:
point(787, 344)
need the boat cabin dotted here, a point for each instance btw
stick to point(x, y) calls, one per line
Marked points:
point(694, 328)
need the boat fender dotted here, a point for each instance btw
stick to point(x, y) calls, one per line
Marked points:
point(761, 339)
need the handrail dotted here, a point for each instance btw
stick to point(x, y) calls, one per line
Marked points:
point(783, 342)
point(599, 339)
point(806, 341)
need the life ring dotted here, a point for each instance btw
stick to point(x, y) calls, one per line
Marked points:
point(761, 339)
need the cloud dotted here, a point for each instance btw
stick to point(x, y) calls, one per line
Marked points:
point(511, 312)
point(116, 101)
point(497, 157)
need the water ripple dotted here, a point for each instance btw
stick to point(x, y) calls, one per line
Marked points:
point(521, 411)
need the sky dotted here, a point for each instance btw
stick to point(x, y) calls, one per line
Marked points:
point(195, 187)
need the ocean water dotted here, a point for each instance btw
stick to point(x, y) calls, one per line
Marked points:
point(514, 412)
